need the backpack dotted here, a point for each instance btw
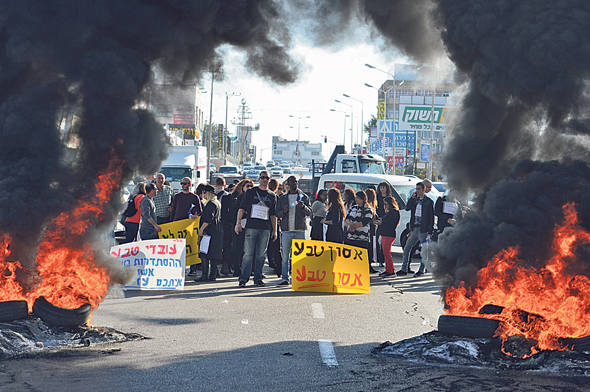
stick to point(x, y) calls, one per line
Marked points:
point(131, 209)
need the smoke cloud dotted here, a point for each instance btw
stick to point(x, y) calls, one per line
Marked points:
point(526, 66)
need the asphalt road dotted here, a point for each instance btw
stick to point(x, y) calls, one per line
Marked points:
point(218, 337)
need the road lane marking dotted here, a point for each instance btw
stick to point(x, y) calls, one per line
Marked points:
point(327, 353)
point(318, 310)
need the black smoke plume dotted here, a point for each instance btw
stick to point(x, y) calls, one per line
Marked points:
point(91, 61)
point(525, 65)
point(520, 211)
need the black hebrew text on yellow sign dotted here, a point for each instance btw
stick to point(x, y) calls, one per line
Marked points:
point(187, 229)
point(330, 267)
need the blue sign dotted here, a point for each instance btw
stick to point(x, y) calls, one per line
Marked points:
point(424, 152)
point(399, 166)
point(400, 140)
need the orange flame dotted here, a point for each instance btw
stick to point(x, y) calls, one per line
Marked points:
point(66, 262)
point(67, 266)
point(10, 289)
point(542, 304)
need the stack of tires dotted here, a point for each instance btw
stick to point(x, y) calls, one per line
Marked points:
point(51, 314)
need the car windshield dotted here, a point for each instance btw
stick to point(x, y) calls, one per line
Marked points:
point(176, 173)
point(372, 167)
point(259, 168)
point(440, 186)
point(228, 169)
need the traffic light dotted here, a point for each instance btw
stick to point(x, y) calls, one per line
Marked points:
point(325, 139)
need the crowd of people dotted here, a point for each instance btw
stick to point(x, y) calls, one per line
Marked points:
point(242, 225)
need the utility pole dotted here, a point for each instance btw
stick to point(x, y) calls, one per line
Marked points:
point(226, 133)
point(209, 131)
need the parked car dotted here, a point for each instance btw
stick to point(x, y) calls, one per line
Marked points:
point(286, 170)
point(259, 167)
point(212, 168)
point(270, 164)
point(276, 172)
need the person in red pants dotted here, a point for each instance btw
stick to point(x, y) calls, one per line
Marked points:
point(388, 224)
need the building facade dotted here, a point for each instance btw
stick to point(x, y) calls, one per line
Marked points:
point(287, 151)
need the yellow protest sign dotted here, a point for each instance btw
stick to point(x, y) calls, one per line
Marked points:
point(329, 267)
point(187, 229)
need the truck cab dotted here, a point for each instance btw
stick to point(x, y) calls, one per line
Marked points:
point(360, 163)
point(185, 161)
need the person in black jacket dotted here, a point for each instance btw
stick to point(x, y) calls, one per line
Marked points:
point(226, 222)
point(238, 238)
point(445, 209)
point(334, 217)
point(421, 225)
point(387, 226)
point(210, 225)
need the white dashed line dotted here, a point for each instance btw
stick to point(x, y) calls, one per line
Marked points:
point(327, 352)
point(318, 311)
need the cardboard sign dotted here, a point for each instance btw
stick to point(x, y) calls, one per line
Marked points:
point(157, 264)
point(329, 267)
point(187, 229)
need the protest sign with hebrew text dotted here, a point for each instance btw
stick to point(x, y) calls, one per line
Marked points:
point(330, 267)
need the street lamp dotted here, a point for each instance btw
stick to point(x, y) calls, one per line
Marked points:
point(351, 123)
point(298, 136)
point(227, 95)
point(362, 116)
point(344, 133)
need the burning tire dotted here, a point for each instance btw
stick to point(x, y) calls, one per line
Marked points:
point(579, 344)
point(470, 327)
point(13, 310)
point(61, 317)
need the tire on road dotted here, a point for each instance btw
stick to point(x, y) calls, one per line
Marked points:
point(470, 327)
point(13, 310)
point(61, 317)
point(577, 344)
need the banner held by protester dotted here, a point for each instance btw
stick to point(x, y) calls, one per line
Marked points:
point(157, 264)
point(187, 229)
point(329, 267)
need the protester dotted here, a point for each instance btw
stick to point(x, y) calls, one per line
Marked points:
point(383, 191)
point(349, 201)
point(358, 223)
point(226, 221)
point(334, 217)
point(318, 212)
point(163, 199)
point(148, 227)
point(372, 202)
point(293, 208)
point(387, 225)
point(132, 222)
point(445, 209)
point(275, 258)
point(210, 225)
point(185, 204)
point(421, 225)
point(238, 238)
point(261, 225)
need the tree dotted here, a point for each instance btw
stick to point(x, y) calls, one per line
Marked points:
point(372, 123)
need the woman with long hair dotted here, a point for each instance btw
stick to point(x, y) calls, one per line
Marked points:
point(238, 239)
point(358, 222)
point(372, 202)
point(210, 225)
point(318, 212)
point(334, 217)
point(387, 225)
point(383, 191)
point(131, 223)
point(348, 199)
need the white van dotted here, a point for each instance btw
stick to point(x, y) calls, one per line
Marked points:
point(402, 189)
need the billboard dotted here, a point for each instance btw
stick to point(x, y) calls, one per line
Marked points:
point(418, 117)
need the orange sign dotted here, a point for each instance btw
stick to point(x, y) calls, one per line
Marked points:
point(329, 267)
